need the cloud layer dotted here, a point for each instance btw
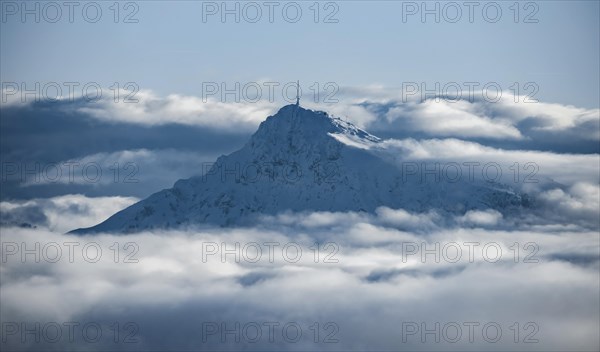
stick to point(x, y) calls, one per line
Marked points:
point(367, 287)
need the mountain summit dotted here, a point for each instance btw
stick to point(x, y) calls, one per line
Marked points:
point(300, 160)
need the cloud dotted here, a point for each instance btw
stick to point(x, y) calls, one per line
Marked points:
point(184, 280)
point(26, 214)
point(314, 219)
point(145, 108)
point(128, 172)
point(580, 202)
point(511, 122)
point(511, 119)
point(452, 119)
point(402, 218)
point(533, 166)
point(62, 213)
point(186, 110)
point(163, 153)
point(488, 217)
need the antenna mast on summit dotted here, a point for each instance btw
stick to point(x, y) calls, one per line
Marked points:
point(298, 93)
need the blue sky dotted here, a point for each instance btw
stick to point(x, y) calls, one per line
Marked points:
point(172, 50)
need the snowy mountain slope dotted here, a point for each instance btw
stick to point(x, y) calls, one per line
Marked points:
point(301, 160)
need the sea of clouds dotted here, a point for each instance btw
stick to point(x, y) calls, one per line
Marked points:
point(392, 280)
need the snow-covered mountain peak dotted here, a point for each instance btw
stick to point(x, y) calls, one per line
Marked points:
point(299, 127)
point(300, 160)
